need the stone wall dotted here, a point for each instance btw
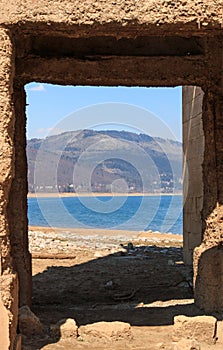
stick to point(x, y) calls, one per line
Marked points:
point(208, 257)
point(193, 149)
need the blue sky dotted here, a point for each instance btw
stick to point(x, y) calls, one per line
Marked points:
point(53, 109)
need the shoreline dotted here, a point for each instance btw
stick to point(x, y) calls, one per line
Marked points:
point(95, 194)
point(51, 243)
point(96, 232)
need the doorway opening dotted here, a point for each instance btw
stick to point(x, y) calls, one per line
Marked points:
point(93, 272)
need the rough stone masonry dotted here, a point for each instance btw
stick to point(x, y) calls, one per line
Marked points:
point(140, 43)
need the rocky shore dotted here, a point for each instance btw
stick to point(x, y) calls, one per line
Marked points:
point(64, 241)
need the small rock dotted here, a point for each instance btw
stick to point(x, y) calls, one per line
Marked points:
point(170, 262)
point(29, 323)
point(65, 328)
point(108, 284)
point(109, 330)
point(200, 328)
point(130, 246)
point(187, 344)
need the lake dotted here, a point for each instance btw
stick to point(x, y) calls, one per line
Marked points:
point(157, 213)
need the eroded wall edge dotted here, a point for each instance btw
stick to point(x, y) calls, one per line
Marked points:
point(8, 279)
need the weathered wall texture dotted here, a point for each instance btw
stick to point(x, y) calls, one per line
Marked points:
point(193, 149)
point(143, 14)
point(143, 43)
point(208, 273)
point(18, 224)
point(208, 257)
point(8, 279)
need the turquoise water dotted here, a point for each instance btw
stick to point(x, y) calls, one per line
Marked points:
point(157, 213)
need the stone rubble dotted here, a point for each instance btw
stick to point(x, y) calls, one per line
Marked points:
point(106, 330)
point(65, 328)
point(29, 323)
point(53, 243)
point(200, 328)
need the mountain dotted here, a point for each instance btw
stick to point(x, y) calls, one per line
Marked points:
point(104, 161)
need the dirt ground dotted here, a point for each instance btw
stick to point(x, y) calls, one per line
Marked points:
point(140, 282)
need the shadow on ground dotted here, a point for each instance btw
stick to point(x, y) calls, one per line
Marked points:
point(145, 286)
point(115, 287)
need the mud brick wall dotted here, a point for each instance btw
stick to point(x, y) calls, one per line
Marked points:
point(143, 43)
point(8, 278)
